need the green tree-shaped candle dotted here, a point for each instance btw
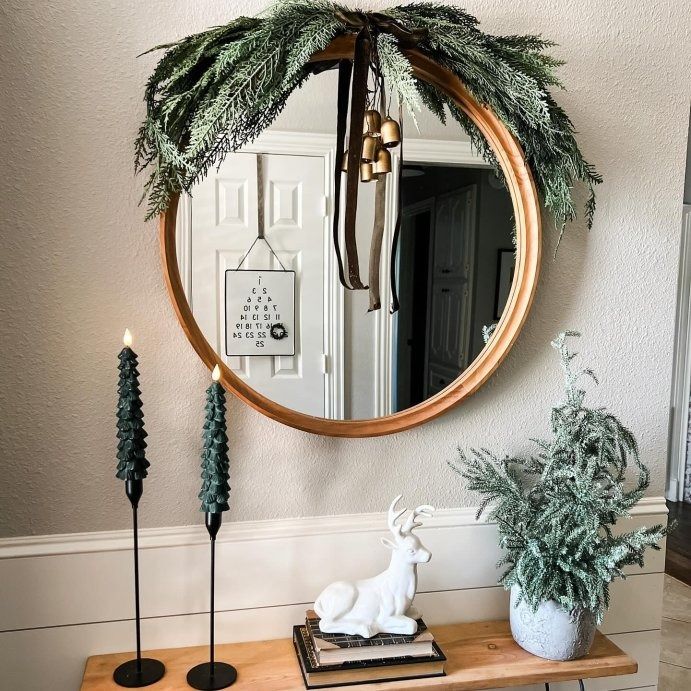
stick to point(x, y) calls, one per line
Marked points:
point(132, 468)
point(215, 464)
point(214, 496)
point(132, 463)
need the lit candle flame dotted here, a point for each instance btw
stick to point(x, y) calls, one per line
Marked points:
point(216, 374)
point(127, 338)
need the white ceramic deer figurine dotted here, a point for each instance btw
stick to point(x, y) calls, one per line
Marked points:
point(381, 604)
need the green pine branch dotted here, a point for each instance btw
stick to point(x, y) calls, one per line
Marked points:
point(398, 72)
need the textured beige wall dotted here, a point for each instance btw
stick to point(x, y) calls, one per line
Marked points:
point(78, 265)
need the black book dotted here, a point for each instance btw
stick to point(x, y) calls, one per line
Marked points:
point(362, 672)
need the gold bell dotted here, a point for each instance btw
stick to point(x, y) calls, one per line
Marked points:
point(344, 162)
point(390, 133)
point(372, 123)
point(366, 172)
point(382, 163)
point(369, 149)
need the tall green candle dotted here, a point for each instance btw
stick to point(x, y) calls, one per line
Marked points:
point(132, 463)
point(215, 464)
point(214, 495)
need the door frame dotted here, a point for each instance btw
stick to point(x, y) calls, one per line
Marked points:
point(450, 152)
point(681, 369)
point(407, 212)
point(323, 145)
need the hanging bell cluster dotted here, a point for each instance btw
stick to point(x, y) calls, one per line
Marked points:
point(379, 137)
point(371, 134)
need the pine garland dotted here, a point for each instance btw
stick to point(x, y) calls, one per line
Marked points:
point(131, 455)
point(213, 92)
point(216, 91)
point(398, 72)
point(555, 511)
point(215, 489)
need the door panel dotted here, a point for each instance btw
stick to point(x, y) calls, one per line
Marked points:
point(439, 378)
point(449, 307)
point(224, 219)
point(455, 227)
point(452, 228)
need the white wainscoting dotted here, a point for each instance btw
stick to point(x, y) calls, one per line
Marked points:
point(65, 597)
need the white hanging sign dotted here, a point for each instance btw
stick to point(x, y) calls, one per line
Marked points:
point(260, 312)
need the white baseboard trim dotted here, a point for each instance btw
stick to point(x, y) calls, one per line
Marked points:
point(65, 597)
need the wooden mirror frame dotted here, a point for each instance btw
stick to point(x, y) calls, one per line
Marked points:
point(528, 234)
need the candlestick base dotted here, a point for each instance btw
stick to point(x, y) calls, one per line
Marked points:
point(200, 677)
point(128, 676)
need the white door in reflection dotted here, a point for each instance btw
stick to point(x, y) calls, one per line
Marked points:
point(224, 210)
point(451, 289)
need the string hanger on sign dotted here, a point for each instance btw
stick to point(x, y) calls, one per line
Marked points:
point(261, 234)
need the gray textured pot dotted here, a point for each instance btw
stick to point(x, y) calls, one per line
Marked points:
point(551, 632)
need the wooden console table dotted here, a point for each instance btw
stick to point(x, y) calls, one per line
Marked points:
point(481, 655)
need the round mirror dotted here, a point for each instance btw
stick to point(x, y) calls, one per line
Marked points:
point(251, 267)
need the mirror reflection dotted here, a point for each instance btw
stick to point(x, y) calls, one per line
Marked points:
point(455, 272)
point(279, 293)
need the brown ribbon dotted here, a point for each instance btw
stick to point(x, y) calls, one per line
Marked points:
point(378, 228)
point(367, 25)
point(397, 229)
point(381, 23)
point(375, 247)
point(345, 67)
point(358, 104)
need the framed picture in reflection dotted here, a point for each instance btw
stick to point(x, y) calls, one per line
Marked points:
point(506, 266)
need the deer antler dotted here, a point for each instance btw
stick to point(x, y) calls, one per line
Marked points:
point(394, 515)
point(411, 523)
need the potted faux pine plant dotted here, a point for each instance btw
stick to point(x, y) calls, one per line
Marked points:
point(555, 512)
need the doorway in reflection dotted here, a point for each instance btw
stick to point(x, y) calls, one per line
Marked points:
point(455, 265)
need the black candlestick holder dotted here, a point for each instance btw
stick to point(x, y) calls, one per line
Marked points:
point(212, 675)
point(142, 671)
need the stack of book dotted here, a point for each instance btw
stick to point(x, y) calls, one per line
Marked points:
point(334, 659)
